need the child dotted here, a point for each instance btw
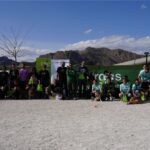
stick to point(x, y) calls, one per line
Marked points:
point(96, 90)
point(136, 92)
point(31, 87)
point(48, 93)
point(56, 91)
point(125, 90)
point(144, 77)
point(108, 90)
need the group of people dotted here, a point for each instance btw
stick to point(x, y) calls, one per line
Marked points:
point(79, 83)
point(135, 93)
point(139, 91)
point(24, 84)
point(71, 83)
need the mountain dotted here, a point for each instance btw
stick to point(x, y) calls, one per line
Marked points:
point(95, 56)
point(5, 61)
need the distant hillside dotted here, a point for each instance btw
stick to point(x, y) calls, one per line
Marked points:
point(95, 56)
point(5, 61)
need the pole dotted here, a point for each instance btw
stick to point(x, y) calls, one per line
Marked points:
point(146, 55)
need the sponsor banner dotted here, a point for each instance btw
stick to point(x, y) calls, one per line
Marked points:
point(43, 61)
point(55, 63)
point(102, 77)
point(117, 72)
point(98, 71)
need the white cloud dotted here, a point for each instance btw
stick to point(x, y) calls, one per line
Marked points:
point(88, 31)
point(29, 54)
point(143, 6)
point(138, 45)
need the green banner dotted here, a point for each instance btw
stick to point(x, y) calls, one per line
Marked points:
point(117, 72)
point(43, 61)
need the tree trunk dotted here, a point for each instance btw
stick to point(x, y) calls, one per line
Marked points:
point(15, 59)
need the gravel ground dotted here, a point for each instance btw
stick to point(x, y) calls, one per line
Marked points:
point(73, 125)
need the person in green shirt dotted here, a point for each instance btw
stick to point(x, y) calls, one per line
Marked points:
point(31, 86)
point(136, 93)
point(144, 77)
point(82, 79)
point(39, 90)
point(71, 81)
point(96, 90)
point(125, 89)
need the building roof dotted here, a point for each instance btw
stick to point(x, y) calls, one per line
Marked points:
point(135, 62)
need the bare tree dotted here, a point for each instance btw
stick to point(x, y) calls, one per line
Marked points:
point(11, 43)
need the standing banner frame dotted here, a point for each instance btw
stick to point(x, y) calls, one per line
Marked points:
point(55, 63)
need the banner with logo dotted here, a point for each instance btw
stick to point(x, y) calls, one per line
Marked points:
point(55, 63)
point(98, 71)
point(43, 61)
point(117, 72)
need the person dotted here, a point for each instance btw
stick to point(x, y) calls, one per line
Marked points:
point(4, 83)
point(13, 75)
point(55, 90)
point(144, 77)
point(90, 79)
point(48, 92)
point(39, 90)
point(117, 89)
point(23, 79)
point(62, 79)
point(108, 90)
point(31, 87)
point(44, 78)
point(34, 71)
point(14, 92)
point(125, 91)
point(71, 82)
point(55, 87)
point(82, 79)
point(107, 75)
point(96, 90)
point(32, 83)
point(136, 93)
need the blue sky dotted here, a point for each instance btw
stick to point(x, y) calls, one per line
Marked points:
point(54, 25)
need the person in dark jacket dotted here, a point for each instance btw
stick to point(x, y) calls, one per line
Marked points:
point(82, 79)
point(44, 78)
point(4, 83)
point(13, 75)
point(108, 90)
point(62, 79)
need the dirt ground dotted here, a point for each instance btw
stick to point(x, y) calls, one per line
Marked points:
point(73, 125)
